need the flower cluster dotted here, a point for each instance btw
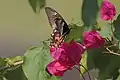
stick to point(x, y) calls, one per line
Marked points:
point(107, 11)
point(69, 54)
point(65, 57)
point(92, 39)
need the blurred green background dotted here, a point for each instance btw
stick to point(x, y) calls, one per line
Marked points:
point(21, 28)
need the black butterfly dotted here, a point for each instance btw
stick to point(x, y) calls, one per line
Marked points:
point(60, 27)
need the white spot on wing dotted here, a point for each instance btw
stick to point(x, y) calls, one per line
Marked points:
point(55, 14)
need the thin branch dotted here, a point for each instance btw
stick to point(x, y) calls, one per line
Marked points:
point(4, 68)
point(8, 66)
point(111, 46)
point(82, 66)
point(80, 73)
point(109, 51)
point(107, 47)
point(87, 72)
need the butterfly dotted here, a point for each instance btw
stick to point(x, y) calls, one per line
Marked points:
point(59, 26)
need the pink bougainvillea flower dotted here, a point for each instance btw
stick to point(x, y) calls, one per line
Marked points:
point(55, 68)
point(56, 52)
point(75, 50)
point(92, 39)
point(67, 55)
point(107, 11)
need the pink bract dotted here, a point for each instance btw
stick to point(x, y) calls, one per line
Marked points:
point(67, 55)
point(92, 39)
point(55, 68)
point(107, 11)
point(75, 50)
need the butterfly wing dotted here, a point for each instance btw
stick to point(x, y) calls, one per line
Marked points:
point(60, 27)
point(56, 21)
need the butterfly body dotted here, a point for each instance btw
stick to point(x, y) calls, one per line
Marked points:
point(60, 27)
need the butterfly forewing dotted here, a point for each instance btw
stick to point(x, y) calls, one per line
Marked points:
point(60, 27)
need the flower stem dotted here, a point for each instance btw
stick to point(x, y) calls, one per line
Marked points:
point(107, 48)
point(109, 51)
point(13, 65)
point(80, 73)
point(4, 68)
point(79, 69)
point(87, 71)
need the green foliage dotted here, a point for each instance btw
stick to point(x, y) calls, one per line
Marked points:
point(10, 68)
point(106, 30)
point(13, 60)
point(105, 62)
point(2, 62)
point(75, 32)
point(83, 62)
point(116, 24)
point(90, 10)
point(36, 59)
point(37, 5)
point(16, 74)
point(2, 67)
point(118, 75)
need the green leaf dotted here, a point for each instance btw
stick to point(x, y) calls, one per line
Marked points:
point(111, 71)
point(3, 66)
point(116, 24)
point(90, 10)
point(16, 74)
point(2, 62)
point(76, 32)
point(105, 30)
point(37, 5)
point(36, 59)
point(10, 64)
point(118, 78)
point(9, 68)
point(106, 63)
point(100, 2)
point(2, 77)
point(83, 62)
point(97, 60)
